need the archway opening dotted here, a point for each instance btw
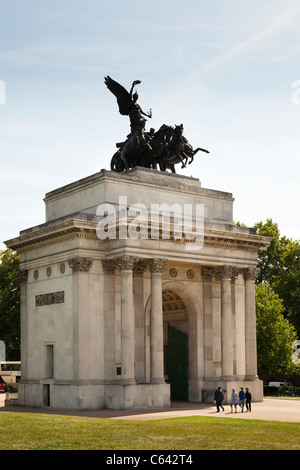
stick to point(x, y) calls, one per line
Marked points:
point(176, 349)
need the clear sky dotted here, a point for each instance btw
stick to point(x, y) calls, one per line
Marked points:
point(228, 70)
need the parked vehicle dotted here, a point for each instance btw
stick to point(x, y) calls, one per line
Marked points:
point(2, 385)
point(7, 386)
point(11, 370)
point(278, 384)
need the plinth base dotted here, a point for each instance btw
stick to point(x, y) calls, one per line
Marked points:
point(128, 397)
point(92, 397)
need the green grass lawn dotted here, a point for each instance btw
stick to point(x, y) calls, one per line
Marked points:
point(33, 431)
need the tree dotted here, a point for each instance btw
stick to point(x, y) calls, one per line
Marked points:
point(269, 261)
point(275, 335)
point(287, 284)
point(10, 303)
point(280, 267)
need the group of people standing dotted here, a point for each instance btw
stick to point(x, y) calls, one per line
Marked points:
point(242, 398)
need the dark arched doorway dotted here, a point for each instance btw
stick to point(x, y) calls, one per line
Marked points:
point(176, 349)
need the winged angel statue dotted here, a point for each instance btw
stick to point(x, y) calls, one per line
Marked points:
point(165, 147)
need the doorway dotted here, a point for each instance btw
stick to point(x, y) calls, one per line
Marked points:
point(178, 363)
point(176, 345)
point(46, 395)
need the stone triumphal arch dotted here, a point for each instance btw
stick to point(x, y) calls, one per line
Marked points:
point(120, 315)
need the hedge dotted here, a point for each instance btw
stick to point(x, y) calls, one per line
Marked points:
point(283, 391)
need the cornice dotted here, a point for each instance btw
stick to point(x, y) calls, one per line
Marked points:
point(87, 229)
point(62, 231)
point(236, 240)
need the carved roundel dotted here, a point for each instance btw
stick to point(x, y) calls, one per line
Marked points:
point(173, 272)
point(36, 274)
point(190, 274)
point(49, 271)
point(62, 268)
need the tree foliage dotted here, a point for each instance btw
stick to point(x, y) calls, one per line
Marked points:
point(275, 335)
point(287, 284)
point(280, 267)
point(10, 303)
point(269, 261)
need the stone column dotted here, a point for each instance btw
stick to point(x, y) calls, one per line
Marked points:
point(23, 275)
point(234, 314)
point(206, 275)
point(80, 265)
point(156, 323)
point(111, 322)
point(127, 319)
point(239, 291)
point(139, 305)
point(250, 274)
point(216, 323)
point(226, 312)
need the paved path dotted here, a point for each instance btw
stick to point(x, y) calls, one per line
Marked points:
point(271, 409)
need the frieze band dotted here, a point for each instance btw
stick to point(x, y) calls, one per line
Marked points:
point(50, 299)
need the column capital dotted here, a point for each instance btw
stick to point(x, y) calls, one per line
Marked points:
point(251, 273)
point(80, 263)
point(109, 266)
point(157, 265)
point(139, 268)
point(126, 262)
point(227, 272)
point(207, 274)
point(23, 275)
point(234, 275)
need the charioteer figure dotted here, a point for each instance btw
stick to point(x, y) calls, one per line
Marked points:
point(165, 148)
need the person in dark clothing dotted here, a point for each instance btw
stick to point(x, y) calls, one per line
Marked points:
point(248, 399)
point(219, 397)
point(242, 399)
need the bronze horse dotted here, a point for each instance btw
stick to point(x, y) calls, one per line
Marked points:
point(165, 148)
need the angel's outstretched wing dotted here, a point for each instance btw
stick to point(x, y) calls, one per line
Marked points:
point(123, 97)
